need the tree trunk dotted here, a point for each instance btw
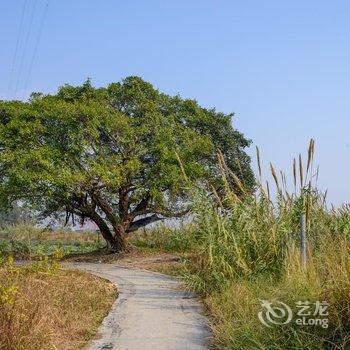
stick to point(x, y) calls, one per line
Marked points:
point(119, 238)
point(116, 242)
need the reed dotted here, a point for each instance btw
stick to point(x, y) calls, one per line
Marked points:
point(250, 250)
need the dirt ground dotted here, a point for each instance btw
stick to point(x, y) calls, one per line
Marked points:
point(154, 261)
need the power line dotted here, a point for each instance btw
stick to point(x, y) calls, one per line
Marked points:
point(19, 35)
point(41, 26)
point(25, 47)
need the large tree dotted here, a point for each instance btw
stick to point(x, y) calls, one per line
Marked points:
point(113, 155)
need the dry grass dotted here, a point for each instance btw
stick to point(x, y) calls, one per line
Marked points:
point(45, 308)
point(73, 236)
point(29, 232)
point(25, 241)
point(235, 307)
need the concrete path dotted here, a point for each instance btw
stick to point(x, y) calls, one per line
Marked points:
point(151, 312)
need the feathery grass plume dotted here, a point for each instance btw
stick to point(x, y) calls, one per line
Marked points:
point(223, 168)
point(324, 198)
point(263, 192)
point(317, 173)
point(289, 199)
point(216, 195)
point(301, 171)
point(268, 190)
point(313, 148)
point(310, 157)
point(181, 167)
point(220, 157)
point(274, 175)
point(295, 175)
point(284, 180)
point(238, 182)
point(259, 162)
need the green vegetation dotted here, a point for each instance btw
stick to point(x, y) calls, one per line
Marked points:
point(111, 154)
point(42, 307)
point(165, 239)
point(25, 241)
point(128, 155)
point(246, 249)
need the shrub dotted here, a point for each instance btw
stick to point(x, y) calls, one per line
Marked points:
point(166, 239)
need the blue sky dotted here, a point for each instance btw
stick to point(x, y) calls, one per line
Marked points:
point(282, 66)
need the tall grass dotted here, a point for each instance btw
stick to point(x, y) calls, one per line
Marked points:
point(248, 249)
point(165, 239)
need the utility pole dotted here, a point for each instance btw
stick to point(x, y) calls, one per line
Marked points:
point(303, 240)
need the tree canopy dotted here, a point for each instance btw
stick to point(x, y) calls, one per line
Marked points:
point(118, 155)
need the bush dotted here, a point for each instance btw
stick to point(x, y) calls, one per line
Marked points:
point(166, 239)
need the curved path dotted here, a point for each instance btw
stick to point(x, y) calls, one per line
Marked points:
point(151, 312)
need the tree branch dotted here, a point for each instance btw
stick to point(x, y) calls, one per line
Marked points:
point(105, 207)
point(169, 214)
point(141, 207)
point(143, 222)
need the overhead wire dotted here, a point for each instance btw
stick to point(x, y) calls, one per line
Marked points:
point(14, 59)
point(25, 48)
point(36, 45)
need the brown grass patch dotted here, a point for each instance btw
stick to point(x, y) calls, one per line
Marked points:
point(45, 309)
point(147, 260)
point(27, 232)
point(73, 236)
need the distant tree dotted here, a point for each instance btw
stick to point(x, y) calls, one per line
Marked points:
point(17, 214)
point(111, 155)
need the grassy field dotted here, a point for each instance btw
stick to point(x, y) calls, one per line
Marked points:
point(29, 242)
point(42, 307)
